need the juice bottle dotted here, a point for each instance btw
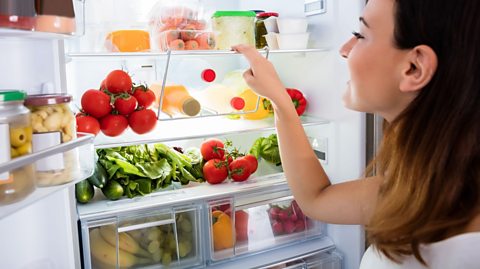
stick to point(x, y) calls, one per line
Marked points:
point(176, 99)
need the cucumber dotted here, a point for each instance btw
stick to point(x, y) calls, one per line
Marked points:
point(113, 190)
point(99, 177)
point(84, 191)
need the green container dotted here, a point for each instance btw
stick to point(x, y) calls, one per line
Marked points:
point(233, 28)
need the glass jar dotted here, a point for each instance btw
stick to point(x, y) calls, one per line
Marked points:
point(261, 30)
point(17, 14)
point(233, 28)
point(15, 141)
point(53, 123)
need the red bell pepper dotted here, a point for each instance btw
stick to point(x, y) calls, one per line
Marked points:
point(298, 100)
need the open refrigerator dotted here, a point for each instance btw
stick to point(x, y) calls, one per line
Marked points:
point(48, 229)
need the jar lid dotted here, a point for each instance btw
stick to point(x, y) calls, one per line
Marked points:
point(267, 14)
point(47, 99)
point(233, 14)
point(12, 95)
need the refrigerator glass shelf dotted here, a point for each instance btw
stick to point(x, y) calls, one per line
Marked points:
point(194, 53)
point(82, 147)
point(192, 128)
point(9, 33)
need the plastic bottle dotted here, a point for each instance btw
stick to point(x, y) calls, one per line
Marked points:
point(177, 99)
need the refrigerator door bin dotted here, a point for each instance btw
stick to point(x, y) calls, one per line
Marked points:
point(165, 237)
point(72, 172)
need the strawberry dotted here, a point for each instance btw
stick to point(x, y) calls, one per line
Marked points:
point(289, 227)
point(277, 227)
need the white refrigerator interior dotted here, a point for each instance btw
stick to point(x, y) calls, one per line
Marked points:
point(45, 234)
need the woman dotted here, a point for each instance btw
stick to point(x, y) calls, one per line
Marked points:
point(417, 64)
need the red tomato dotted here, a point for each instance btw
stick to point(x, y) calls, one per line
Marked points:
point(113, 125)
point(142, 121)
point(253, 162)
point(96, 103)
point(239, 169)
point(212, 148)
point(125, 104)
point(215, 171)
point(87, 124)
point(102, 85)
point(144, 96)
point(118, 81)
point(241, 225)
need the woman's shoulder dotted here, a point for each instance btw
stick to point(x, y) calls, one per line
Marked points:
point(459, 251)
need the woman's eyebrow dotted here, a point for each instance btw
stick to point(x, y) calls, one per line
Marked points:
point(362, 20)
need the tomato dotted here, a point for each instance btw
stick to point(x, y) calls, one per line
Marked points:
point(113, 125)
point(102, 85)
point(96, 103)
point(212, 148)
point(253, 162)
point(87, 124)
point(215, 171)
point(125, 104)
point(241, 225)
point(118, 81)
point(144, 96)
point(239, 169)
point(142, 121)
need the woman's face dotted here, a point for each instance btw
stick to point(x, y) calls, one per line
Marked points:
point(373, 63)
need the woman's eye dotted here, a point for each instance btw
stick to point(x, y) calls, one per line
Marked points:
point(357, 35)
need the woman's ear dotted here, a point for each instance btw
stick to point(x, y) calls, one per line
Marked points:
point(419, 70)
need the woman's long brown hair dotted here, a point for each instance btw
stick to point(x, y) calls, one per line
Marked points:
point(430, 154)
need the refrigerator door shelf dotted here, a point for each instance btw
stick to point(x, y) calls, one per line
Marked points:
point(74, 169)
point(166, 237)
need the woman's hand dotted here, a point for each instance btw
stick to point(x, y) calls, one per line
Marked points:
point(261, 75)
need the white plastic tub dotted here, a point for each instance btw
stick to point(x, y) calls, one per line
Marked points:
point(292, 41)
point(292, 25)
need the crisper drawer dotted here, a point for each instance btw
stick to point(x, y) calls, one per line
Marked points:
point(257, 226)
point(323, 260)
point(155, 238)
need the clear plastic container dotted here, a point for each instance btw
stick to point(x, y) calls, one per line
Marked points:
point(233, 28)
point(185, 40)
point(16, 141)
point(53, 123)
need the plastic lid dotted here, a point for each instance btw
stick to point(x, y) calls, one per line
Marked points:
point(208, 75)
point(13, 95)
point(267, 14)
point(47, 99)
point(233, 14)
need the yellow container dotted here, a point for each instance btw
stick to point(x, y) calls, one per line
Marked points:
point(127, 41)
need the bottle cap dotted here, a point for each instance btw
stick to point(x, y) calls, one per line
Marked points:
point(208, 75)
point(191, 107)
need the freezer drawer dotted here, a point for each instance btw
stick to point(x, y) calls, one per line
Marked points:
point(244, 226)
point(155, 238)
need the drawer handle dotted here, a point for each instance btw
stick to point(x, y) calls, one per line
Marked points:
point(145, 225)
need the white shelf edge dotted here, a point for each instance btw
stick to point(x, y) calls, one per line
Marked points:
point(84, 139)
point(182, 129)
point(179, 53)
point(9, 33)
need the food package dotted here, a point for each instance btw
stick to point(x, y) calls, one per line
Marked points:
point(127, 41)
point(178, 26)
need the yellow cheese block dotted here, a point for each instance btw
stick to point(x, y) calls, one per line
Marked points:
point(127, 41)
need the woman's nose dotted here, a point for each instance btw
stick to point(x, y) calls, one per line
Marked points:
point(347, 47)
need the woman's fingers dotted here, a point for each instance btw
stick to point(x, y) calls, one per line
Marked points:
point(250, 53)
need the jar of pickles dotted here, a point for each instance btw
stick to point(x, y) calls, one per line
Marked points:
point(53, 123)
point(15, 141)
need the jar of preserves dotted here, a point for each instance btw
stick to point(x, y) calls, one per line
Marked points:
point(53, 123)
point(261, 30)
point(16, 141)
point(233, 28)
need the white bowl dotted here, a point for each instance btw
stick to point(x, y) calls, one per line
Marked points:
point(272, 40)
point(292, 25)
point(292, 41)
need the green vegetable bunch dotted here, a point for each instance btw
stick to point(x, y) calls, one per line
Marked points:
point(267, 148)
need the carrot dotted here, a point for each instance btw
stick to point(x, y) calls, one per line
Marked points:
point(177, 44)
point(188, 33)
point(206, 41)
point(191, 45)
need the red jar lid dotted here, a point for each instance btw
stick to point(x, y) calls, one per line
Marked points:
point(47, 99)
point(267, 14)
